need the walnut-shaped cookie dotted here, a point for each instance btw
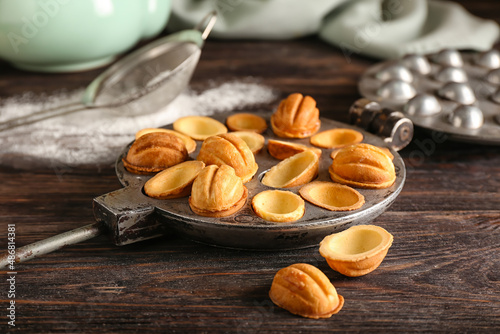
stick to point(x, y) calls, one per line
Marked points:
point(229, 149)
point(154, 152)
point(304, 290)
point(363, 166)
point(217, 192)
point(296, 117)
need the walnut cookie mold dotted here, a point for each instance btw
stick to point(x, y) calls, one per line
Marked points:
point(244, 228)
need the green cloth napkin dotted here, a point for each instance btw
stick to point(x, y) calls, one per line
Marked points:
point(378, 28)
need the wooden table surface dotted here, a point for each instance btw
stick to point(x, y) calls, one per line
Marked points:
point(442, 273)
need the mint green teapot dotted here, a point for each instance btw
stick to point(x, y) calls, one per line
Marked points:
point(75, 35)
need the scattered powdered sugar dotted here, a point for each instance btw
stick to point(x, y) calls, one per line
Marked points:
point(97, 136)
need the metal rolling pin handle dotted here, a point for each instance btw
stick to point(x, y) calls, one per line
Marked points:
point(393, 126)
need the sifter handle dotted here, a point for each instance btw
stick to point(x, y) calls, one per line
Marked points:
point(54, 243)
point(42, 115)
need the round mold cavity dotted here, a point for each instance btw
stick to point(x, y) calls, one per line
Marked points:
point(496, 96)
point(423, 105)
point(448, 57)
point(494, 76)
point(489, 59)
point(396, 90)
point(484, 84)
point(394, 72)
point(458, 92)
point(468, 117)
point(452, 74)
point(417, 63)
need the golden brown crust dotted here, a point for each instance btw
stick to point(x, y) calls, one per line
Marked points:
point(154, 152)
point(217, 192)
point(199, 127)
point(254, 140)
point(282, 149)
point(383, 149)
point(336, 138)
point(246, 122)
point(363, 166)
point(332, 196)
point(278, 206)
point(387, 152)
point(296, 117)
point(356, 251)
point(223, 213)
point(175, 181)
point(304, 290)
point(188, 141)
point(229, 149)
point(294, 171)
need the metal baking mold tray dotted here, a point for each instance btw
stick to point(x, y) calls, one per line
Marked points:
point(131, 215)
point(453, 92)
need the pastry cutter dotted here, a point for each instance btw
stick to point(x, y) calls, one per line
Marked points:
point(144, 81)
